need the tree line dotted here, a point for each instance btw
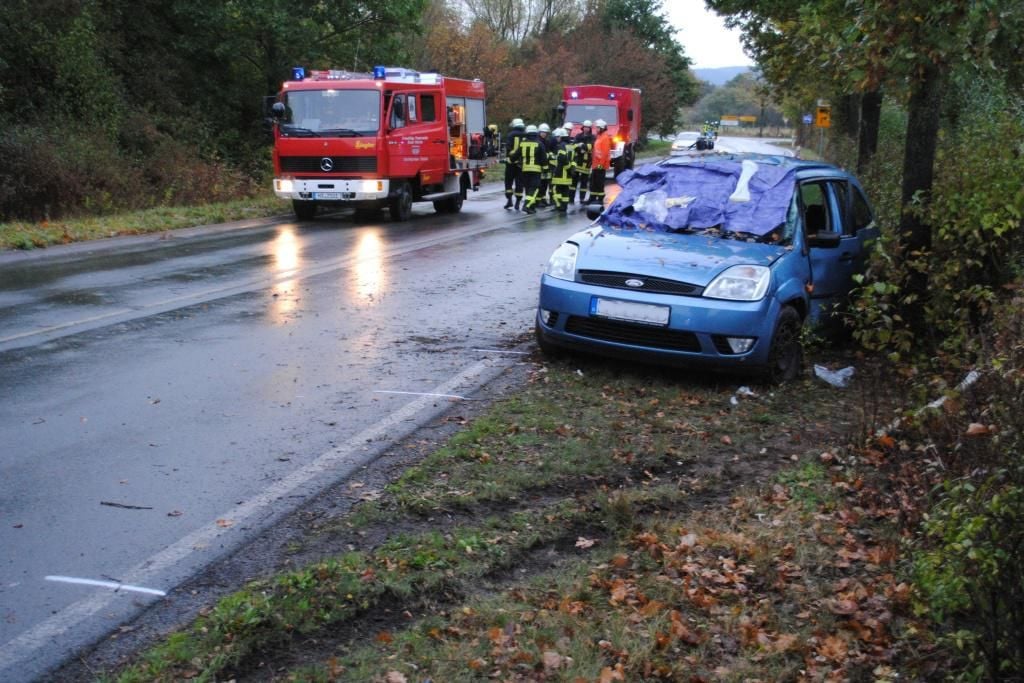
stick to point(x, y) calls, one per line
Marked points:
point(107, 105)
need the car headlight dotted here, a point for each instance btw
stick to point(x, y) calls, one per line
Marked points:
point(562, 263)
point(740, 283)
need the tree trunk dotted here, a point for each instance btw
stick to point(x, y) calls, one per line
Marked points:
point(870, 117)
point(848, 115)
point(918, 175)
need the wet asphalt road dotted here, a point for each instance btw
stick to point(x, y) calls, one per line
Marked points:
point(165, 397)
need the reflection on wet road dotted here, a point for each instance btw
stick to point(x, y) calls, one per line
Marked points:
point(168, 397)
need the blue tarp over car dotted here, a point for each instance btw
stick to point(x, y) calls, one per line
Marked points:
point(695, 195)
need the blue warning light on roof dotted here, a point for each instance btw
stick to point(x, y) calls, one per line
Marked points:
point(298, 73)
point(379, 72)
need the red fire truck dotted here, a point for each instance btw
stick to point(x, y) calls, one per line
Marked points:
point(368, 141)
point(620, 109)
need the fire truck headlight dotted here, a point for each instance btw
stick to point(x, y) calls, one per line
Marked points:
point(284, 185)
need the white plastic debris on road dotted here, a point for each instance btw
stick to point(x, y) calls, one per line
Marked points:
point(837, 378)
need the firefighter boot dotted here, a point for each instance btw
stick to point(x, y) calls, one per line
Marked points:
point(518, 200)
point(508, 201)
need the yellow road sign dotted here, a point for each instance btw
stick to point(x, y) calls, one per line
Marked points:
point(824, 117)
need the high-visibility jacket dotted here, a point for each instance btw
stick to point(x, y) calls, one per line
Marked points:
point(581, 158)
point(512, 141)
point(602, 156)
point(562, 166)
point(530, 154)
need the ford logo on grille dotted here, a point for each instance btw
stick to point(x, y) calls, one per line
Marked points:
point(633, 282)
point(326, 164)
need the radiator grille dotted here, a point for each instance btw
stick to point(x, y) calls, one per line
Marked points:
point(626, 333)
point(650, 284)
point(340, 164)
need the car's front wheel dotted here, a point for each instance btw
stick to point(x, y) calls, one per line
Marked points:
point(786, 357)
point(546, 347)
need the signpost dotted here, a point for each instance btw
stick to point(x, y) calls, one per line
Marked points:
point(822, 120)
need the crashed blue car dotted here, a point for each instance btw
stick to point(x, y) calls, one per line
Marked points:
point(715, 261)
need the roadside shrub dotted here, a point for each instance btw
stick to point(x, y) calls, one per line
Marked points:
point(68, 171)
point(968, 561)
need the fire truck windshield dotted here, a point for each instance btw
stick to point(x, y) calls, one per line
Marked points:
point(331, 113)
point(576, 113)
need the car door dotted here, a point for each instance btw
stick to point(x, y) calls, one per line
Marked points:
point(826, 210)
point(415, 146)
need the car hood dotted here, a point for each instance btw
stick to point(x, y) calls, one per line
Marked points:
point(692, 258)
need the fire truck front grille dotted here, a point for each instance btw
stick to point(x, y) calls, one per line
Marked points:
point(336, 165)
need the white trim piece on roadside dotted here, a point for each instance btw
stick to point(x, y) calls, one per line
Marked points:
point(106, 584)
point(421, 393)
point(513, 353)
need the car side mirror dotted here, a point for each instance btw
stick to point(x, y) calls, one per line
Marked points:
point(277, 110)
point(824, 240)
point(629, 114)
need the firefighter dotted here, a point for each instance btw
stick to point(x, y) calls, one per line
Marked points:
point(600, 162)
point(513, 171)
point(561, 177)
point(532, 158)
point(544, 134)
point(584, 148)
point(570, 150)
point(491, 140)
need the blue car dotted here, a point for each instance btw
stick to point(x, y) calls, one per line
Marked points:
point(714, 260)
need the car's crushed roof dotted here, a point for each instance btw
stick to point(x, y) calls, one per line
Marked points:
point(701, 193)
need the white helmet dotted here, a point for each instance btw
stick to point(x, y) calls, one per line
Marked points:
point(531, 129)
point(560, 133)
point(567, 125)
point(600, 123)
point(587, 124)
point(517, 123)
point(544, 128)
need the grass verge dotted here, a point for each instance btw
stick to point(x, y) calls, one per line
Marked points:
point(604, 524)
point(27, 235)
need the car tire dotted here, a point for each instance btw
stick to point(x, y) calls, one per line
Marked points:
point(548, 349)
point(401, 204)
point(786, 357)
point(304, 211)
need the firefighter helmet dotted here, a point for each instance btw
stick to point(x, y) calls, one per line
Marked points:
point(560, 133)
point(600, 124)
point(517, 123)
point(587, 124)
point(544, 128)
point(567, 125)
point(531, 129)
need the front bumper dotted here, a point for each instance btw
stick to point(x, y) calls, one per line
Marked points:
point(332, 189)
point(696, 335)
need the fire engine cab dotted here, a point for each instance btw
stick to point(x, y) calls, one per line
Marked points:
point(620, 109)
point(370, 141)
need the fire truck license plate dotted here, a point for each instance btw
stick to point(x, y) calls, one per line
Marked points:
point(326, 195)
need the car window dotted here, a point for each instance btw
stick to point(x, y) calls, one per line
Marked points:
point(861, 215)
point(814, 200)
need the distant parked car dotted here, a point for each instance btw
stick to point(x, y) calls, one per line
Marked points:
point(711, 260)
point(685, 142)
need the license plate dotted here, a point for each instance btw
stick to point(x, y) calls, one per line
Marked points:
point(649, 314)
point(326, 195)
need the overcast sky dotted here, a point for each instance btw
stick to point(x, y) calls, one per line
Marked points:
point(704, 36)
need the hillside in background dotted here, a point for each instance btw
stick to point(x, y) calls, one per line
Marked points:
point(720, 75)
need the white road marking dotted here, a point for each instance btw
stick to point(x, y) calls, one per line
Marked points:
point(106, 584)
point(342, 460)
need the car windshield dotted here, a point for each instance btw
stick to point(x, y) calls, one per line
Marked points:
point(331, 113)
point(727, 198)
point(592, 112)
